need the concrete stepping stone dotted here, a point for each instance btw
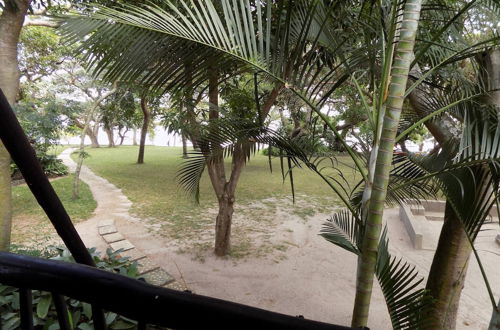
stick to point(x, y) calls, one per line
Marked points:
point(107, 230)
point(146, 265)
point(122, 245)
point(158, 277)
point(107, 222)
point(111, 238)
point(134, 254)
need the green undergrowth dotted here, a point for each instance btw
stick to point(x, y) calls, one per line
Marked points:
point(30, 225)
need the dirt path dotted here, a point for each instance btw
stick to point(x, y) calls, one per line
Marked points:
point(312, 277)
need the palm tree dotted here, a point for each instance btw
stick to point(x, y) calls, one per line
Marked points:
point(298, 46)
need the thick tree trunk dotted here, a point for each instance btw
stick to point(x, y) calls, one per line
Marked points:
point(144, 130)
point(92, 134)
point(447, 274)
point(11, 23)
point(448, 270)
point(111, 138)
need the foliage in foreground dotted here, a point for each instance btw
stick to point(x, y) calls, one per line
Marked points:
point(80, 314)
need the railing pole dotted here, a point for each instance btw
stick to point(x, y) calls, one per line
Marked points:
point(26, 306)
point(62, 311)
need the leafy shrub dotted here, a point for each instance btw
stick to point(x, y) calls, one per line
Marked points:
point(51, 165)
point(80, 314)
point(275, 152)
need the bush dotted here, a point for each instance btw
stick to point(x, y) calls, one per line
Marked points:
point(51, 165)
point(275, 152)
point(80, 314)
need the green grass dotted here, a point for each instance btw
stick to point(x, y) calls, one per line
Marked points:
point(169, 211)
point(31, 225)
point(153, 189)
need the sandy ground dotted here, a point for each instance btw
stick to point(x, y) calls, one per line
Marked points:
point(311, 277)
point(316, 279)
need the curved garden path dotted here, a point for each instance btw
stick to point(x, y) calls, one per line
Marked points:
point(102, 230)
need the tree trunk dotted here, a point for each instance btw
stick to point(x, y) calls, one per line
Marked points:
point(11, 23)
point(134, 136)
point(88, 117)
point(184, 146)
point(369, 248)
point(448, 270)
point(144, 130)
point(449, 265)
point(92, 134)
point(109, 133)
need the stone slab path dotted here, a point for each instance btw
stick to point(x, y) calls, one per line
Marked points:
point(113, 206)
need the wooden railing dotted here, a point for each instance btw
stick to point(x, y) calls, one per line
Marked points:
point(128, 297)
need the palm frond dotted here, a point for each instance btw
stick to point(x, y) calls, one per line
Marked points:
point(407, 303)
point(344, 230)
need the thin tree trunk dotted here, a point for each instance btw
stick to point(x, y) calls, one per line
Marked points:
point(81, 157)
point(399, 73)
point(144, 130)
point(448, 270)
point(11, 22)
point(184, 146)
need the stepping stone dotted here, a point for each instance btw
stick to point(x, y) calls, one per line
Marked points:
point(146, 266)
point(122, 245)
point(107, 222)
point(115, 237)
point(158, 277)
point(107, 230)
point(133, 254)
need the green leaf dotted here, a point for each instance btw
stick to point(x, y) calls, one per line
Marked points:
point(121, 324)
point(110, 318)
point(42, 308)
point(343, 230)
point(85, 326)
point(12, 324)
point(87, 310)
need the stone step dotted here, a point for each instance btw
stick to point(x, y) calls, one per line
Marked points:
point(111, 238)
point(106, 222)
point(107, 230)
point(133, 254)
point(146, 265)
point(122, 245)
point(158, 277)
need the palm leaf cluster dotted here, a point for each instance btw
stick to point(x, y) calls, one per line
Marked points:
point(407, 303)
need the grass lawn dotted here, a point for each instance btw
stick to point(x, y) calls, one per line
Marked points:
point(31, 225)
point(156, 196)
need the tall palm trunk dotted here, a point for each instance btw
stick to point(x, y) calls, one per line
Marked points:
point(373, 227)
point(11, 23)
point(144, 130)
